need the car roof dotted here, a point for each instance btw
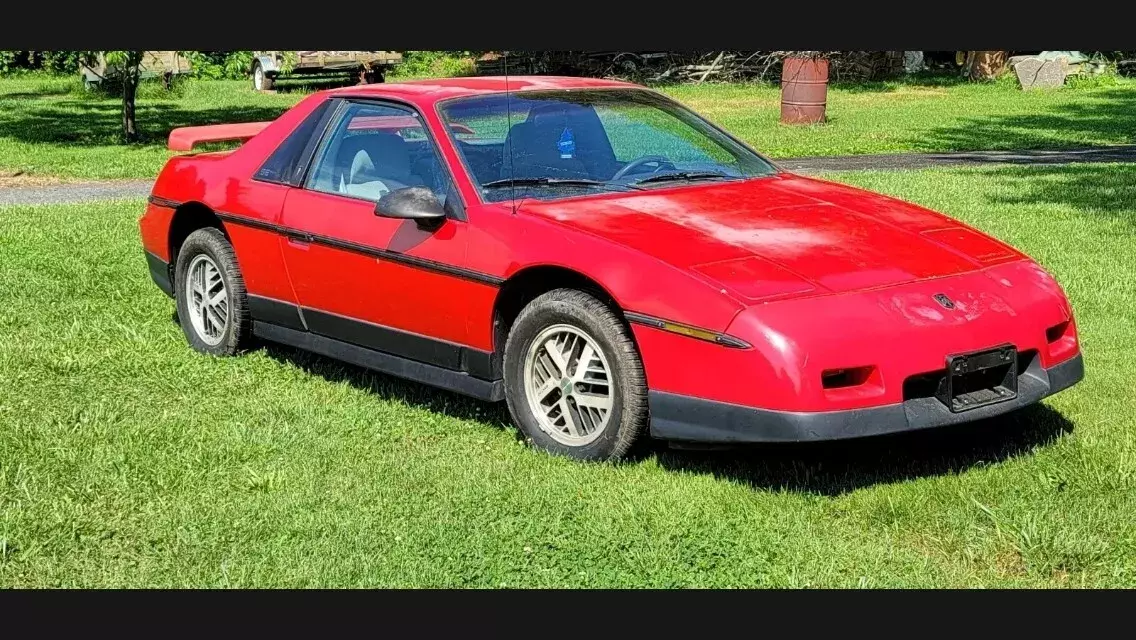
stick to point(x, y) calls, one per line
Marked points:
point(427, 92)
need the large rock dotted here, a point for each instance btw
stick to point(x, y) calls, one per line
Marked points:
point(913, 61)
point(1034, 73)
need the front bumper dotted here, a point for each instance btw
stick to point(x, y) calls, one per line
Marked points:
point(677, 417)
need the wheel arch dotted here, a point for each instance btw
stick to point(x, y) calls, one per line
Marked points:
point(189, 217)
point(266, 62)
point(530, 282)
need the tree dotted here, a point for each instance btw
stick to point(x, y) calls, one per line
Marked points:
point(986, 65)
point(129, 62)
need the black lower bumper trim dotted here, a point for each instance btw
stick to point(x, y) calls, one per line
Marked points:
point(160, 273)
point(677, 417)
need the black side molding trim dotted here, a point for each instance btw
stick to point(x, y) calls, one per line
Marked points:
point(160, 273)
point(480, 364)
point(662, 324)
point(678, 417)
point(388, 340)
point(164, 202)
point(394, 365)
point(276, 312)
point(372, 252)
point(251, 222)
point(375, 337)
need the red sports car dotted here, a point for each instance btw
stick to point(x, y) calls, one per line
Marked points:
point(604, 260)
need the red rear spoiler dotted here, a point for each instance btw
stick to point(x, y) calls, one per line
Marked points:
point(185, 138)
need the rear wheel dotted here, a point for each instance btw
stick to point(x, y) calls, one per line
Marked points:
point(212, 303)
point(574, 381)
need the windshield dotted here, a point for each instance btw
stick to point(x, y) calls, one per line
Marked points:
point(556, 144)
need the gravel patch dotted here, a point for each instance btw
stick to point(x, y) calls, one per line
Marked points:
point(76, 192)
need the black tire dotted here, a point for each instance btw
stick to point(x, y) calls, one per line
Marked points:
point(629, 413)
point(268, 81)
point(212, 243)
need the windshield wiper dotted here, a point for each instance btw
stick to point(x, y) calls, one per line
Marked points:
point(684, 175)
point(529, 182)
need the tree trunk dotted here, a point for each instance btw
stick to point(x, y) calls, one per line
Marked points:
point(130, 74)
point(986, 65)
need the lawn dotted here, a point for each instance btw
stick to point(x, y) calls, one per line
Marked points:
point(51, 127)
point(126, 459)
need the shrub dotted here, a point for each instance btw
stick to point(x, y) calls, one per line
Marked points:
point(62, 62)
point(434, 64)
point(1106, 78)
point(217, 65)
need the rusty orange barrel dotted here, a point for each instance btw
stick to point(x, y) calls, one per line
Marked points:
point(804, 90)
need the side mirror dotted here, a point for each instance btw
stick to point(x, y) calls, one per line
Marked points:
point(412, 203)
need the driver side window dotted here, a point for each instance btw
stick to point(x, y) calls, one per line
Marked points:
point(374, 149)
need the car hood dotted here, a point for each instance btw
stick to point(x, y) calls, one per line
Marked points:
point(783, 235)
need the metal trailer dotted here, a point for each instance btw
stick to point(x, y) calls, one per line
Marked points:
point(367, 66)
point(163, 64)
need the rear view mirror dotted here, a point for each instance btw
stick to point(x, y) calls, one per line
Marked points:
point(412, 203)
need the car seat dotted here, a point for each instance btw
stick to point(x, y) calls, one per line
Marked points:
point(532, 145)
point(372, 164)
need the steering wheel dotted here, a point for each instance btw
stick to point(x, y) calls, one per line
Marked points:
point(660, 162)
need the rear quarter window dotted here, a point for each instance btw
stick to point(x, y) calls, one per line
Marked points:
point(285, 165)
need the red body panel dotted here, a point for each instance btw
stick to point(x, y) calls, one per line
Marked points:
point(899, 330)
point(376, 290)
point(812, 275)
point(154, 227)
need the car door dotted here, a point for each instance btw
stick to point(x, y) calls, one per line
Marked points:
point(386, 284)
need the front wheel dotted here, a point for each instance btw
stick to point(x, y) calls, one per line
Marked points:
point(574, 381)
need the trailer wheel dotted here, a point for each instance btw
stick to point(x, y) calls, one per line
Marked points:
point(262, 81)
point(370, 75)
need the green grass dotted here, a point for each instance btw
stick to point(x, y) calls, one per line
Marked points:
point(49, 126)
point(925, 115)
point(126, 459)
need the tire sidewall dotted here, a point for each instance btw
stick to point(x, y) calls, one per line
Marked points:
point(267, 81)
point(526, 329)
point(211, 243)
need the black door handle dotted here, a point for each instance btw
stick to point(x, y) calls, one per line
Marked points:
point(296, 237)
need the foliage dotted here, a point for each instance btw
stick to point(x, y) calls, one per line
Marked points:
point(433, 64)
point(213, 65)
point(287, 61)
point(217, 65)
point(62, 62)
point(1107, 78)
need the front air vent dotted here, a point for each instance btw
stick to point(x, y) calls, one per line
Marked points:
point(1054, 333)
